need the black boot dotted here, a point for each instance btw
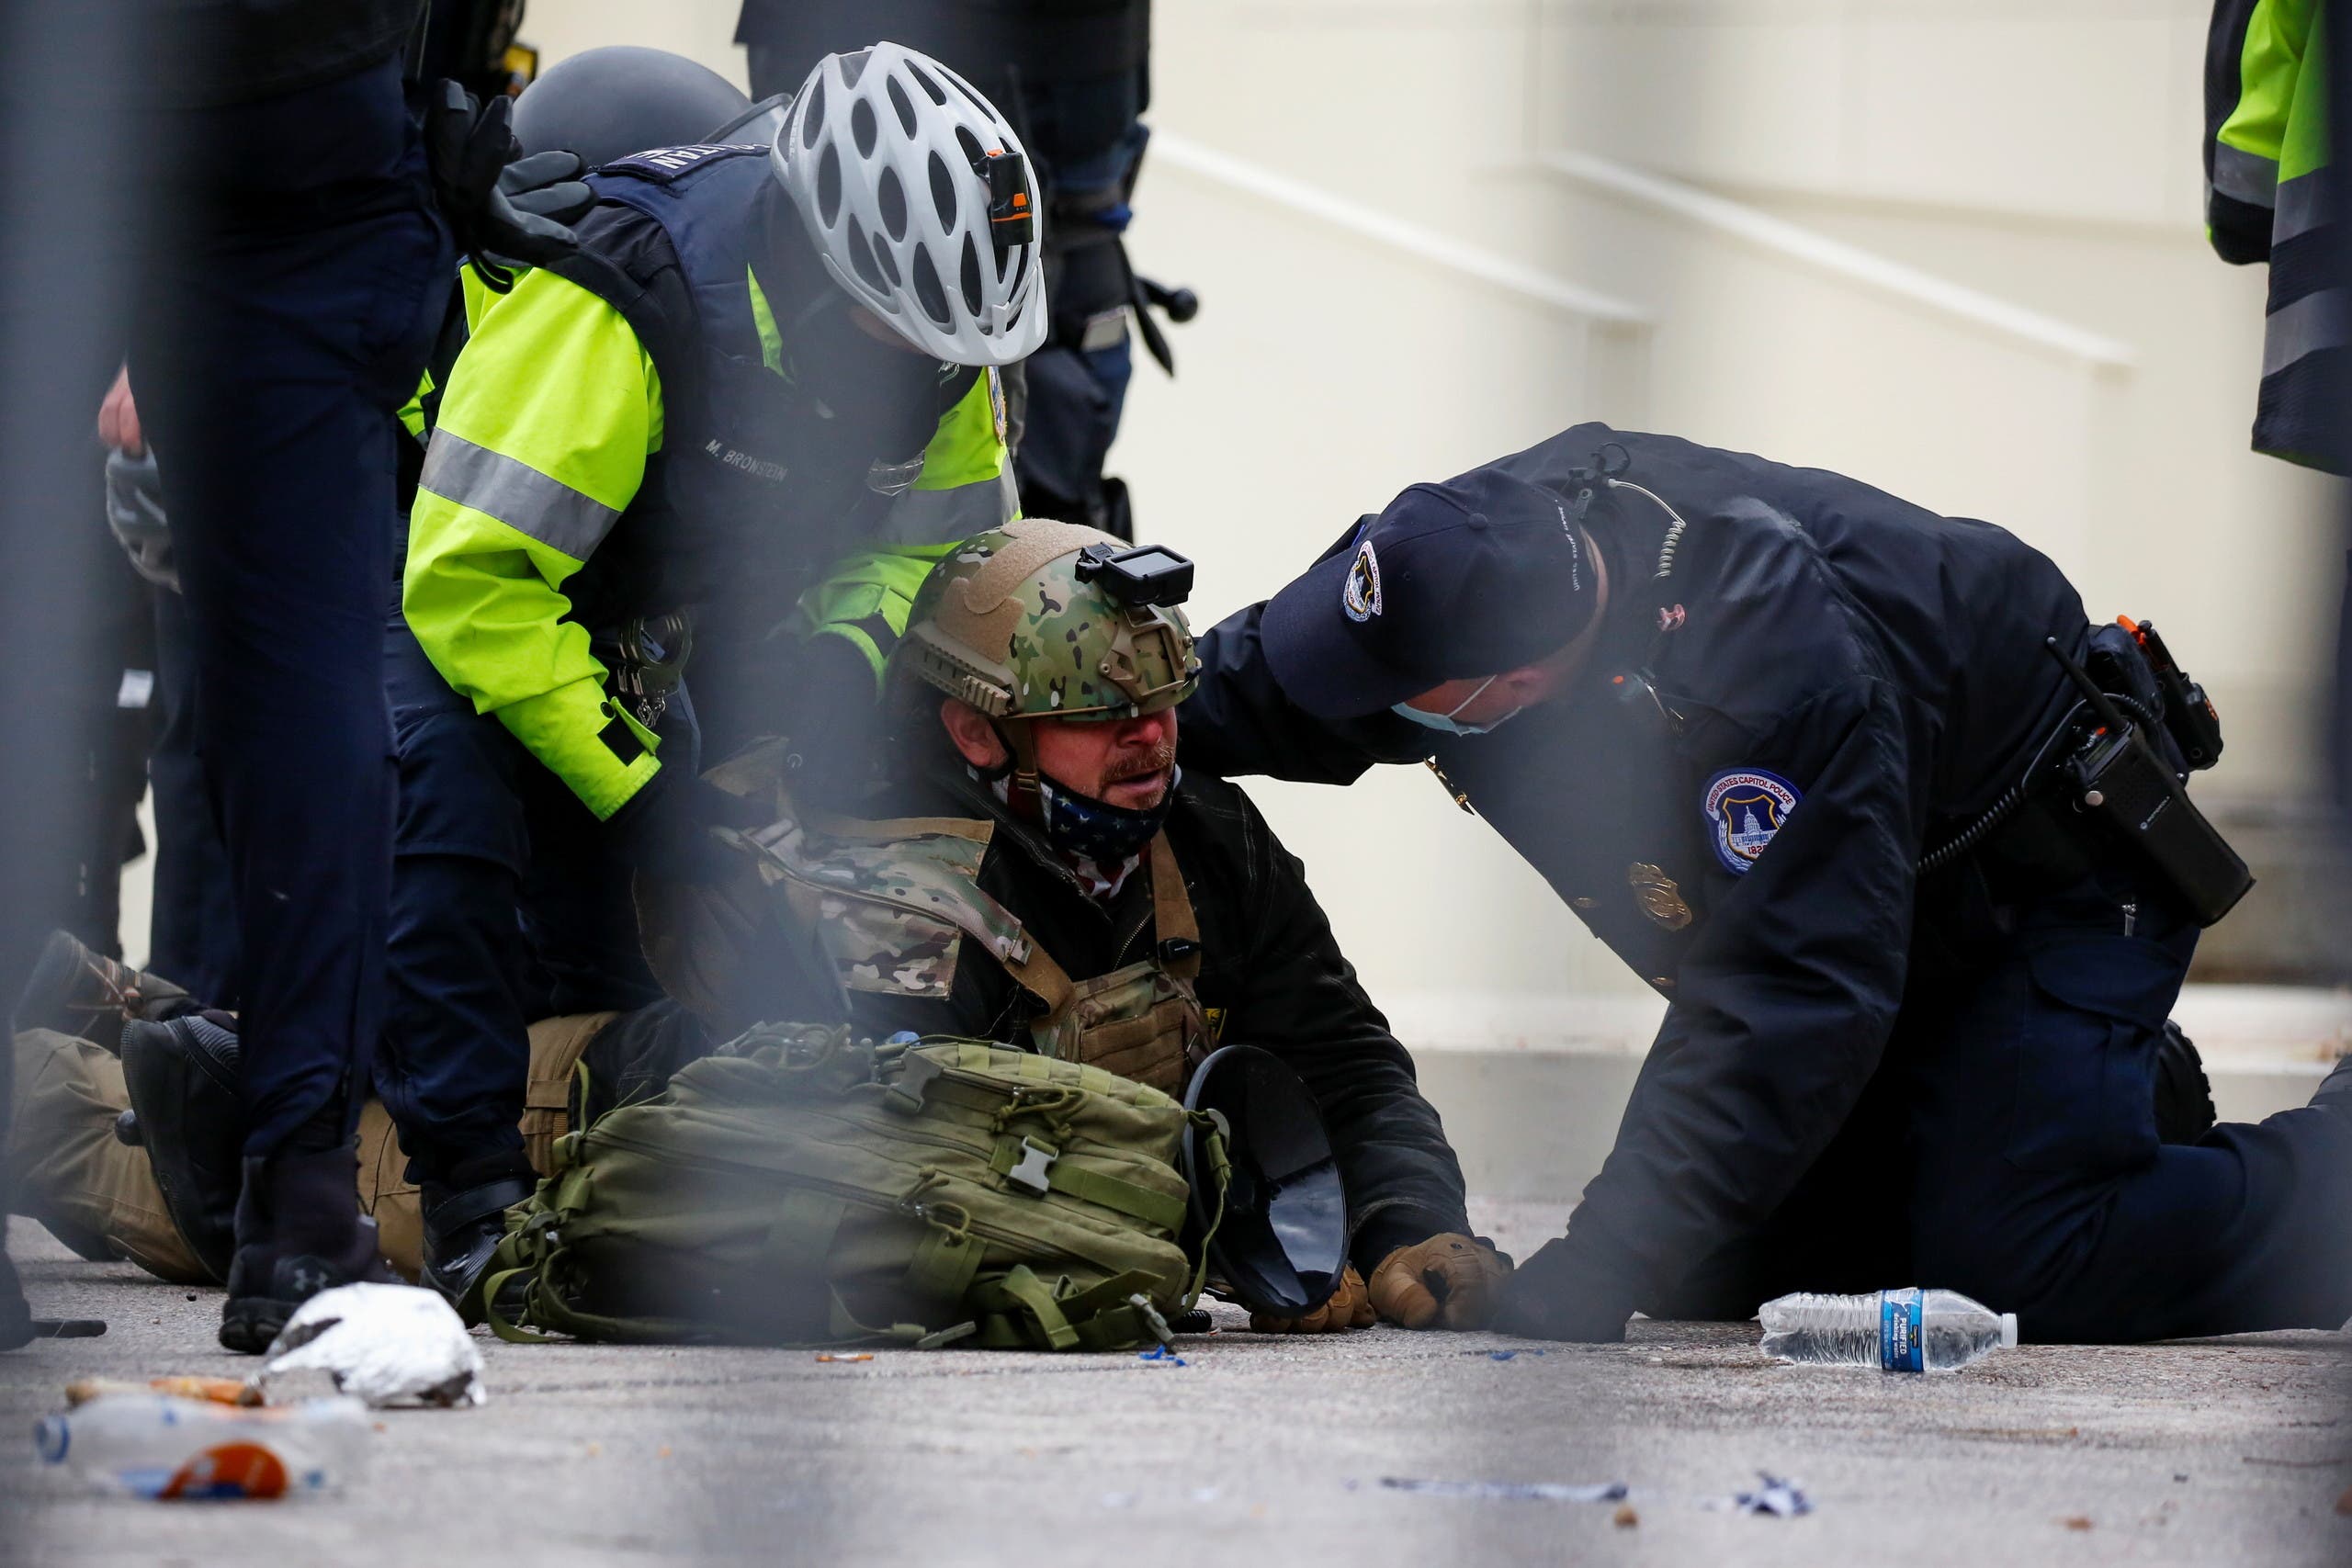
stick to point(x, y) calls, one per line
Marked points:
point(2184, 1099)
point(184, 1112)
point(465, 1219)
point(299, 1232)
point(76, 991)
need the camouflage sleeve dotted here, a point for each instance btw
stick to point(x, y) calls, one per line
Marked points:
point(905, 970)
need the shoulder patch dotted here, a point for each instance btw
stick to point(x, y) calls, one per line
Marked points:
point(1744, 807)
point(1360, 596)
point(891, 901)
point(662, 164)
point(880, 948)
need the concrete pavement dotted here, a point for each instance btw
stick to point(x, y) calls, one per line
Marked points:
point(1259, 1450)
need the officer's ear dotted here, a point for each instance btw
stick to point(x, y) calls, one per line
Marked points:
point(1529, 683)
point(1545, 679)
point(974, 736)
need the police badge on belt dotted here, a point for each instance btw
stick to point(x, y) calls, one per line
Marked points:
point(1659, 895)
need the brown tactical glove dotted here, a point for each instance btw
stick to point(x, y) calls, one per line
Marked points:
point(1350, 1307)
point(1447, 1281)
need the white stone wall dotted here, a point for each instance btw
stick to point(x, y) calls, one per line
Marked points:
point(2044, 153)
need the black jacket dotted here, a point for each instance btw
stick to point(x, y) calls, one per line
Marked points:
point(1269, 967)
point(202, 53)
point(997, 45)
point(1849, 679)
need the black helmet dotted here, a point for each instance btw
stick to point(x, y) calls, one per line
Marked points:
point(607, 103)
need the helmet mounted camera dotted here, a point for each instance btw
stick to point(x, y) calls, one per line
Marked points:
point(1139, 576)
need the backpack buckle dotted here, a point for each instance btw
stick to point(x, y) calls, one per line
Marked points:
point(947, 1336)
point(914, 1082)
point(1152, 1320)
point(1037, 1160)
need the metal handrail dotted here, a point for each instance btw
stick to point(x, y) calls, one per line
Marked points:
point(1167, 148)
point(1898, 279)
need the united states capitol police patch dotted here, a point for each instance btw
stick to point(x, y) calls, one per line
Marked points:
point(1745, 808)
point(1360, 596)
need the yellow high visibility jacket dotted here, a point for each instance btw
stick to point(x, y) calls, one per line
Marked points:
point(2268, 199)
point(544, 431)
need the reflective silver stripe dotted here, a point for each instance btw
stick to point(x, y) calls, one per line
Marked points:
point(2303, 204)
point(516, 494)
point(2243, 177)
point(943, 517)
point(2311, 324)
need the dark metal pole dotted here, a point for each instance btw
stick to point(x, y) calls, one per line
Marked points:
point(64, 264)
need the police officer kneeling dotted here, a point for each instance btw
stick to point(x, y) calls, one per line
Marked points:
point(757, 359)
point(1899, 837)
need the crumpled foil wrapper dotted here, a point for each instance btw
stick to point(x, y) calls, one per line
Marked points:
point(385, 1344)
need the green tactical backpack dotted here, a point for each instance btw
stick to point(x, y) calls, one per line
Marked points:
point(802, 1187)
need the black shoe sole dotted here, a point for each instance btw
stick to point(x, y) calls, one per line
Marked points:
point(249, 1324)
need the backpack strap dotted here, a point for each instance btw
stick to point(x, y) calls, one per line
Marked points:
point(1172, 922)
point(1173, 926)
point(1044, 1169)
point(1019, 1312)
point(944, 1264)
point(1036, 973)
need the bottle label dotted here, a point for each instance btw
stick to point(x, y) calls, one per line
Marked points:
point(229, 1470)
point(1901, 1347)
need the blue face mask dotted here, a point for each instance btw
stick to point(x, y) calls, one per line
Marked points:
point(1446, 724)
point(1106, 834)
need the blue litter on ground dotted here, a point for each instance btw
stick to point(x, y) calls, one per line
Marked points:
point(1163, 1354)
point(1510, 1491)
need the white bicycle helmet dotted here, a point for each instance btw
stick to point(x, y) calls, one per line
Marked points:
point(918, 195)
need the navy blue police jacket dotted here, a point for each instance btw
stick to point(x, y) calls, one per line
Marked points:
point(1816, 682)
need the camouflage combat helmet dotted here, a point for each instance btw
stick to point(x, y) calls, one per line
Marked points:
point(1039, 619)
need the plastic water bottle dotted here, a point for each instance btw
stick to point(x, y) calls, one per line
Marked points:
point(156, 1445)
point(1909, 1330)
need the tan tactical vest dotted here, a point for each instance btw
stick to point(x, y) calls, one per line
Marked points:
point(897, 901)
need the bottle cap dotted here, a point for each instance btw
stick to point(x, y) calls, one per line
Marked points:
point(2008, 1330)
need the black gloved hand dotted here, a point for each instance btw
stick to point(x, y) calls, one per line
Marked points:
point(666, 828)
point(468, 147)
point(548, 185)
point(833, 720)
point(1552, 1297)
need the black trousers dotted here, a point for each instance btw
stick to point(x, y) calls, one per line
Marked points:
point(281, 322)
point(192, 932)
point(2008, 1149)
point(510, 903)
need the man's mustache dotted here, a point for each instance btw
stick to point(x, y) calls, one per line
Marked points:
point(1141, 764)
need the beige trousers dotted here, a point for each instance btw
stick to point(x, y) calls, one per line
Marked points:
point(74, 1178)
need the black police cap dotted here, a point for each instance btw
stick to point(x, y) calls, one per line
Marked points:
point(1471, 577)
